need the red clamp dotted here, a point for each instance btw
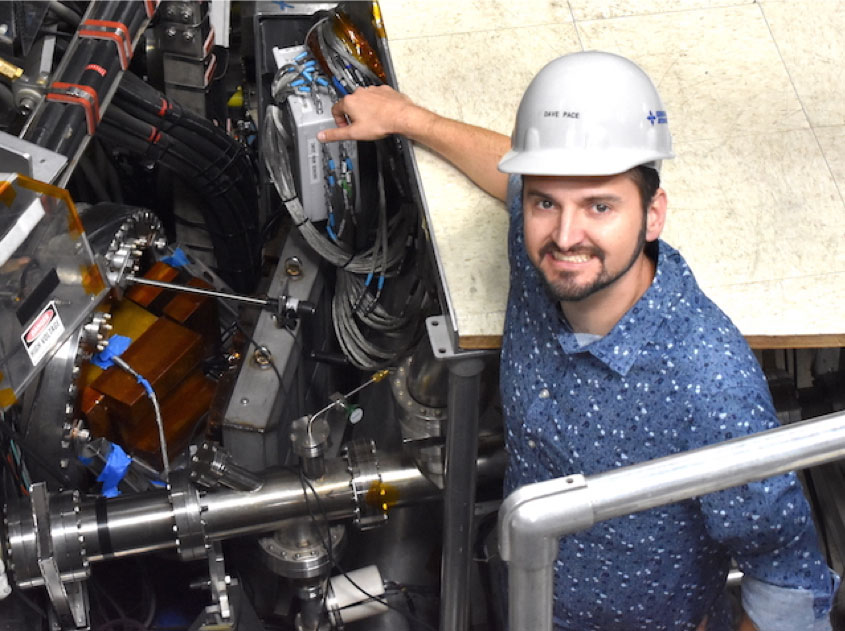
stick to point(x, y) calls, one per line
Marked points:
point(115, 31)
point(77, 94)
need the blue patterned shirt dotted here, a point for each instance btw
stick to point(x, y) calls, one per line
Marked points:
point(674, 374)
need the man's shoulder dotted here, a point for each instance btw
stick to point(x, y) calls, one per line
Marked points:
point(702, 336)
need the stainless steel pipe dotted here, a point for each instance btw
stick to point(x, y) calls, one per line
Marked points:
point(135, 524)
point(534, 517)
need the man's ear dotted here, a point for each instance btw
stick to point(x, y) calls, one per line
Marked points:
point(656, 215)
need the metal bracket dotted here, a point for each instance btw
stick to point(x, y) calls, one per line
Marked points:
point(21, 156)
point(220, 581)
point(443, 343)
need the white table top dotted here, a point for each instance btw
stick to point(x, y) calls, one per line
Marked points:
point(754, 96)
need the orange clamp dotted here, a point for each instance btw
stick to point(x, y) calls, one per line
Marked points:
point(151, 6)
point(115, 31)
point(77, 94)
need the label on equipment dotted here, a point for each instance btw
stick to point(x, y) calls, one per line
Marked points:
point(314, 160)
point(43, 333)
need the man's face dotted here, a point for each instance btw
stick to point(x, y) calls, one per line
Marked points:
point(585, 233)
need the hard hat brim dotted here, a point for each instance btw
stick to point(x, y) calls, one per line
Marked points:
point(564, 162)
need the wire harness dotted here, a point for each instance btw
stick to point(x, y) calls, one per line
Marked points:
point(372, 327)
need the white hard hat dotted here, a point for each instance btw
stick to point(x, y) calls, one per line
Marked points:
point(588, 113)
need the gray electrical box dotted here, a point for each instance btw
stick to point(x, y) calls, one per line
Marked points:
point(305, 115)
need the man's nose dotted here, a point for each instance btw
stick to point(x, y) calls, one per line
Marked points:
point(570, 229)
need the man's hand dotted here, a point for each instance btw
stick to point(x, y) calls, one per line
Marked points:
point(372, 113)
point(375, 112)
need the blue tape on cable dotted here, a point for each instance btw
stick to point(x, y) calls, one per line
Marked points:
point(160, 483)
point(146, 385)
point(177, 259)
point(339, 87)
point(116, 346)
point(116, 467)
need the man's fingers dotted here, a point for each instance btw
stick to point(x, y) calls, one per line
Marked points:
point(339, 113)
point(334, 134)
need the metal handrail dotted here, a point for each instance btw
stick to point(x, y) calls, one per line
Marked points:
point(534, 517)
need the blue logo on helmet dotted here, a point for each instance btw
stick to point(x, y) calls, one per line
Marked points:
point(658, 117)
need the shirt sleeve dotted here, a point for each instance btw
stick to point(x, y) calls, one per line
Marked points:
point(766, 526)
point(774, 608)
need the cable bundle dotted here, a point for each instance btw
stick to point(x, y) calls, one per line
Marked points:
point(369, 333)
point(218, 167)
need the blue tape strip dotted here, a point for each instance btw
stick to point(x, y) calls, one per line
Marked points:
point(112, 474)
point(380, 282)
point(115, 348)
point(177, 259)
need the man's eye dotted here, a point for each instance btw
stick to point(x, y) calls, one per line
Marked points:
point(601, 208)
point(545, 204)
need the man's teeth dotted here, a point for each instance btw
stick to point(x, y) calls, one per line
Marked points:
point(571, 258)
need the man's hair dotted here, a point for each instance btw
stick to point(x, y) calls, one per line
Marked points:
point(647, 180)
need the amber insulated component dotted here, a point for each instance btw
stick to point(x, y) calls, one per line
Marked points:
point(357, 44)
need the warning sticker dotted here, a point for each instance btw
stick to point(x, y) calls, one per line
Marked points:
point(43, 334)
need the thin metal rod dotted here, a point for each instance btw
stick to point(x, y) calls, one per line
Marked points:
point(534, 517)
point(459, 492)
point(261, 302)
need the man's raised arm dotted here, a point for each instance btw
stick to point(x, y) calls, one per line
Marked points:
point(375, 112)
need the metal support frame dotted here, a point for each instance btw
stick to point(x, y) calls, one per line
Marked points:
point(533, 518)
point(463, 411)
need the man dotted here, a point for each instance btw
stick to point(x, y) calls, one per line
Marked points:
point(612, 355)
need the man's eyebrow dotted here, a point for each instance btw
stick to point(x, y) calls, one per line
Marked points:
point(595, 199)
point(531, 192)
point(590, 199)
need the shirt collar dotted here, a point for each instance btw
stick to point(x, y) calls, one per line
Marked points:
point(621, 346)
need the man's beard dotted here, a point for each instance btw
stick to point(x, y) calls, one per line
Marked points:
point(564, 288)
